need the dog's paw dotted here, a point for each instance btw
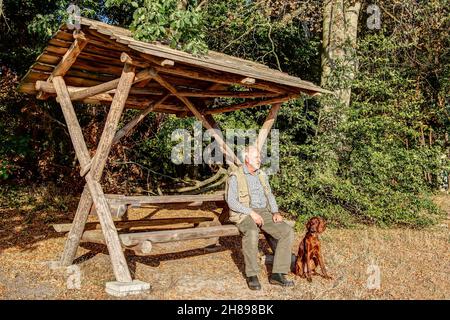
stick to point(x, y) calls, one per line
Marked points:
point(309, 279)
point(328, 277)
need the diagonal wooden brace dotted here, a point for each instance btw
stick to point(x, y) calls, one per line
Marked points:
point(230, 155)
point(268, 123)
point(135, 121)
point(93, 191)
point(128, 128)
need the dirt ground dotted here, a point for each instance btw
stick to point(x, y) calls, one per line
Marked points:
point(409, 264)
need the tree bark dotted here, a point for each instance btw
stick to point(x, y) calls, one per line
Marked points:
point(340, 29)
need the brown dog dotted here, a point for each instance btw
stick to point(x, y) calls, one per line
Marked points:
point(309, 253)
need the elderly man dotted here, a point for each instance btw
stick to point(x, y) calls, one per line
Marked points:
point(253, 206)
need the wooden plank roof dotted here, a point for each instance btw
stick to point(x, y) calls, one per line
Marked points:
point(201, 78)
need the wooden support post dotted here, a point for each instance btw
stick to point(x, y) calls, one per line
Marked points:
point(230, 155)
point(79, 221)
point(268, 123)
point(112, 121)
point(120, 267)
point(118, 260)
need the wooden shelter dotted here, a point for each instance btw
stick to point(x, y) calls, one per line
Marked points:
point(103, 64)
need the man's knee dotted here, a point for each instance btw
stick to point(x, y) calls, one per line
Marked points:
point(287, 232)
point(251, 235)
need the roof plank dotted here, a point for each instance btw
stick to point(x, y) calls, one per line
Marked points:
point(202, 78)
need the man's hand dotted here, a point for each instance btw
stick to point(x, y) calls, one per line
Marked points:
point(257, 218)
point(277, 217)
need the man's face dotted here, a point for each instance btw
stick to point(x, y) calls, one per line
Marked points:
point(253, 158)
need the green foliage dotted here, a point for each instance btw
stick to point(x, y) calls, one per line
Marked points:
point(379, 161)
point(45, 25)
point(251, 30)
point(165, 21)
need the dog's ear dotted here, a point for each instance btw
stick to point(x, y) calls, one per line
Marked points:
point(322, 225)
point(309, 224)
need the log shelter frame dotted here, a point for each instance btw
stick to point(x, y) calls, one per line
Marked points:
point(141, 77)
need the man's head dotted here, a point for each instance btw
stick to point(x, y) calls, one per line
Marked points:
point(252, 157)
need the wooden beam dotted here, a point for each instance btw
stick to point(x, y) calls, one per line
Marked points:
point(80, 93)
point(158, 61)
point(112, 121)
point(248, 81)
point(143, 248)
point(94, 90)
point(223, 78)
point(125, 58)
point(230, 94)
point(268, 123)
point(230, 156)
point(67, 60)
point(135, 121)
point(134, 200)
point(76, 135)
point(65, 227)
point(117, 210)
point(210, 119)
point(249, 104)
point(75, 91)
point(132, 239)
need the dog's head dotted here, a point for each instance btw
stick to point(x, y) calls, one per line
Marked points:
point(316, 225)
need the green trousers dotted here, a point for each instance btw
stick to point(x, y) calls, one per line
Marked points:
point(281, 231)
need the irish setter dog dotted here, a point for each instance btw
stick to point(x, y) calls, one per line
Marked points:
point(309, 253)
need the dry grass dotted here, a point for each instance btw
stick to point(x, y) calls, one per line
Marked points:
point(413, 264)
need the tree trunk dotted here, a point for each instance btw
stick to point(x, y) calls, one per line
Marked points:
point(340, 28)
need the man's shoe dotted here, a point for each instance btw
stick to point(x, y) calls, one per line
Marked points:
point(279, 279)
point(253, 283)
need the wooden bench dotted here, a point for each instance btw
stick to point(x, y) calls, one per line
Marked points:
point(142, 241)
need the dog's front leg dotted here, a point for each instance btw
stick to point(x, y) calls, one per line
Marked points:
point(299, 267)
point(322, 267)
point(299, 263)
point(308, 265)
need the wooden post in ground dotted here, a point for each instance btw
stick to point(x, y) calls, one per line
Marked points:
point(94, 192)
